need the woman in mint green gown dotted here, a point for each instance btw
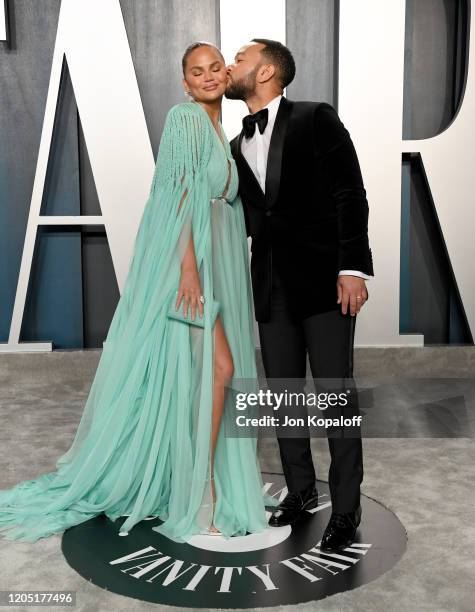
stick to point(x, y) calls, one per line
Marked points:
point(150, 441)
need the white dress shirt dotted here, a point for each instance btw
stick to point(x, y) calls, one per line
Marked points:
point(256, 151)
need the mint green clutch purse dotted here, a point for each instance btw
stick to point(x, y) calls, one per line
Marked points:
point(199, 322)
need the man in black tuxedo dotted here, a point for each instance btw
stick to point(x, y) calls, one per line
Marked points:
point(306, 211)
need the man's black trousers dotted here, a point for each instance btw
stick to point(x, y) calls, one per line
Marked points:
point(328, 339)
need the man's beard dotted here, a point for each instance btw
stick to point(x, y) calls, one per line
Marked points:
point(243, 89)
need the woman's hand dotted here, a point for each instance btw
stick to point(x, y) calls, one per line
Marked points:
point(190, 291)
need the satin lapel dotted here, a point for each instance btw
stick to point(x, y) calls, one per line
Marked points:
point(247, 173)
point(276, 146)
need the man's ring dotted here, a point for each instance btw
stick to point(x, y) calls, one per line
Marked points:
point(358, 297)
point(202, 299)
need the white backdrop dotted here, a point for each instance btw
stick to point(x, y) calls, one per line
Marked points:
point(370, 105)
point(3, 28)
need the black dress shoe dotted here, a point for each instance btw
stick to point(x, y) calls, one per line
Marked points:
point(293, 506)
point(341, 530)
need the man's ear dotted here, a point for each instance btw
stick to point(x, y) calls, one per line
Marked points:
point(265, 73)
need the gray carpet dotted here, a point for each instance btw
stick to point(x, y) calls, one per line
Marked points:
point(427, 483)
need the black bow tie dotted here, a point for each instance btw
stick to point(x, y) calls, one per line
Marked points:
point(249, 122)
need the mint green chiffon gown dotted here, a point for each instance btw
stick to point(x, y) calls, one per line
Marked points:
point(142, 447)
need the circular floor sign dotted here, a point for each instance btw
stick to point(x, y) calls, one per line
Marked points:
point(282, 565)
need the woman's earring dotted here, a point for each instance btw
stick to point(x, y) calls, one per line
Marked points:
point(188, 93)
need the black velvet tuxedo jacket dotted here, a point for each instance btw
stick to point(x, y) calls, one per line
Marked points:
point(312, 220)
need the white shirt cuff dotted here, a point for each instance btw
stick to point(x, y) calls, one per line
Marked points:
point(355, 273)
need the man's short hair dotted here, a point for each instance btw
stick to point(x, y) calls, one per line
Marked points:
point(278, 54)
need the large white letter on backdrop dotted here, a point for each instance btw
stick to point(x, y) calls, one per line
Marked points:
point(371, 74)
point(92, 37)
point(3, 22)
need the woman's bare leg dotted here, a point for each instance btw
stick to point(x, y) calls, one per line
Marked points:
point(223, 372)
